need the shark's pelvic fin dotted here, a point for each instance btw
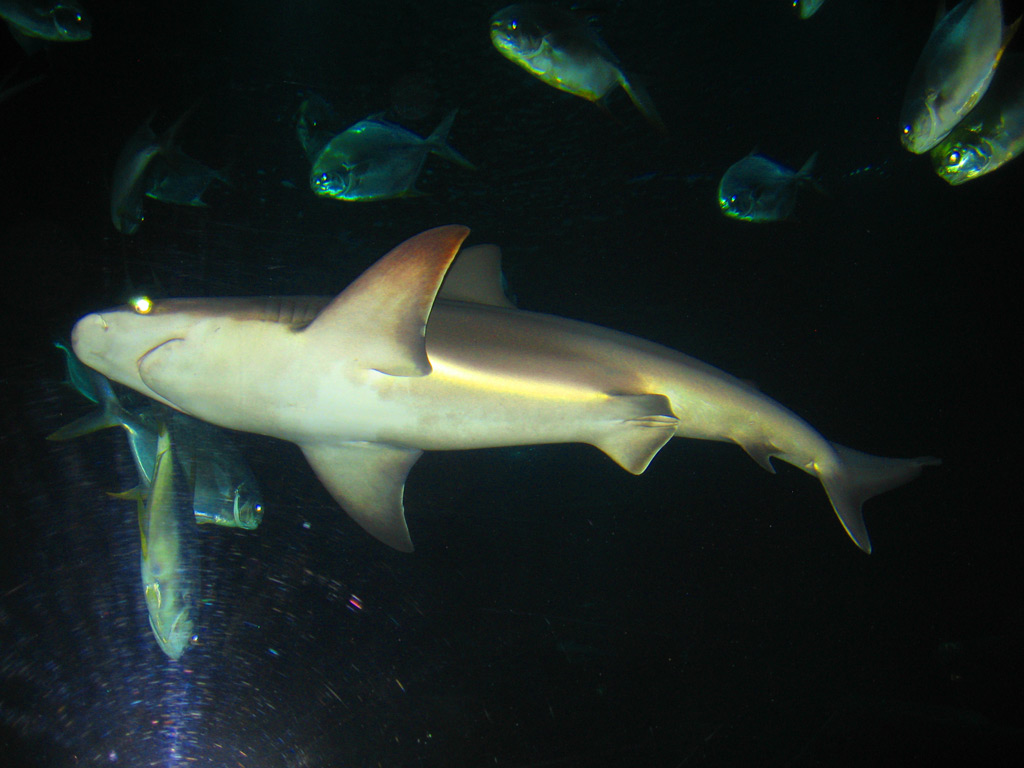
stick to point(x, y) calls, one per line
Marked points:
point(368, 481)
point(384, 313)
point(475, 276)
point(634, 428)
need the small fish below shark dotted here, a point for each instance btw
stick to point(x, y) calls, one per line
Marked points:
point(423, 352)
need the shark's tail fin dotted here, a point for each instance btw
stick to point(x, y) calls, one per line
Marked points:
point(858, 477)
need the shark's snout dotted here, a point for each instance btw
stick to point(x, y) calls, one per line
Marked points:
point(86, 335)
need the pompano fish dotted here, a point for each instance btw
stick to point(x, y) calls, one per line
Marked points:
point(134, 175)
point(953, 72)
point(566, 53)
point(314, 125)
point(153, 166)
point(378, 160)
point(225, 490)
point(54, 20)
point(169, 577)
point(758, 189)
point(991, 135)
point(807, 8)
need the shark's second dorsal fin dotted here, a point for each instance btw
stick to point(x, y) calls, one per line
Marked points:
point(475, 276)
point(380, 319)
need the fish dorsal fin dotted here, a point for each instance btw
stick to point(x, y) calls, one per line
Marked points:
point(368, 482)
point(475, 276)
point(379, 321)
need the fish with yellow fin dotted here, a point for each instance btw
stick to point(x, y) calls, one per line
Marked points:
point(953, 72)
point(989, 137)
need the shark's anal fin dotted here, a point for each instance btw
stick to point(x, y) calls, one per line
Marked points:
point(380, 319)
point(368, 482)
point(634, 428)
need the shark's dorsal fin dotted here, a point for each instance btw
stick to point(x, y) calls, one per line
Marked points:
point(475, 276)
point(380, 319)
point(368, 482)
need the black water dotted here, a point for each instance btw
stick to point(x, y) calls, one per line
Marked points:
point(558, 611)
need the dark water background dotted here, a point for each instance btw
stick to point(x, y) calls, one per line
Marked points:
point(558, 611)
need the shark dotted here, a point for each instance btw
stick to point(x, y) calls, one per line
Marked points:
point(424, 352)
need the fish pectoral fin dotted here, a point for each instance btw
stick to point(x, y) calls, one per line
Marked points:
point(138, 493)
point(368, 482)
point(634, 428)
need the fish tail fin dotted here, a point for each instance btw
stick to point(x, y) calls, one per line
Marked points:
point(642, 100)
point(170, 137)
point(438, 141)
point(79, 377)
point(110, 414)
point(807, 169)
point(806, 174)
point(1008, 33)
point(859, 476)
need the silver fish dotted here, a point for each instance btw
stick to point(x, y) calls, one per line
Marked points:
point(170, 579)
point(953, 72)
point(807, 8)
point(378, 160)
point(758, 189)
point(54, 20)
point(989, 137)
point(563, 51)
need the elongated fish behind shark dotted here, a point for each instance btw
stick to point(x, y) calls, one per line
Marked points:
point(406, 360)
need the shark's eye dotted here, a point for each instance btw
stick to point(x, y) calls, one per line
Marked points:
point(906, 130)
point(143, 305)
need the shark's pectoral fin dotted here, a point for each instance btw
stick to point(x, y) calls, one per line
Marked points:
point(380, 320)
point(633, 429)
point(368, 481)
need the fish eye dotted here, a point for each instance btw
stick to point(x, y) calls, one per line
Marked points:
point(67, 19)
point(142, 305)
point(906, 130)
point(954, 157)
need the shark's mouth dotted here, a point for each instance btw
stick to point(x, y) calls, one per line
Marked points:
point(155, 363)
